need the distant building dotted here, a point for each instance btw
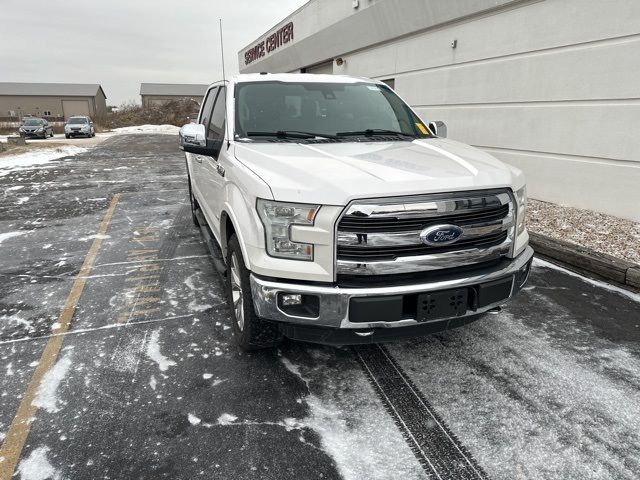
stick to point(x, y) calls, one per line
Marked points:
point(53, 100)
point(154, 94)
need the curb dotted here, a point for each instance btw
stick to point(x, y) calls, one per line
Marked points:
point(587, 260)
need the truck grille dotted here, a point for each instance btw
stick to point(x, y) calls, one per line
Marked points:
point(383, 236)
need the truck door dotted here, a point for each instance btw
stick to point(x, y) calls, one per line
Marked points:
point(195, 161)
point(212, 170)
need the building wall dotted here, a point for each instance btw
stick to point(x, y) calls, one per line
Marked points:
point(550, 86)
point(155, 100)
point(100, 104)
point(37, 105)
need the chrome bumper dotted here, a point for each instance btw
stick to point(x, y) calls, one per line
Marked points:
point(334, 301)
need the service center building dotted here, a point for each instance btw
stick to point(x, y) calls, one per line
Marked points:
point(550, 86)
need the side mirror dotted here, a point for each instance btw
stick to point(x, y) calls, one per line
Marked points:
point(438, 128)
point(193, 139)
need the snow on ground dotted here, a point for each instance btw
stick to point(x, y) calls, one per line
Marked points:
point(37, 466)
point(4, 236)
point(161, 129)
point(353, 426)
point(542, 400)
point(23, 161)
point(153, 352)
point(46, 396)
point(612, 288)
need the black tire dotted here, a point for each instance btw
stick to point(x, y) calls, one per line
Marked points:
point(250, 332)
point(67, 136)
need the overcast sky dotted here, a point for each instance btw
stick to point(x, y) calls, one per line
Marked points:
point(121, 43)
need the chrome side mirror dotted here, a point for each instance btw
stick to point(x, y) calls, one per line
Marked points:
point(438, 128)
point(192, 135)
point(193, 139)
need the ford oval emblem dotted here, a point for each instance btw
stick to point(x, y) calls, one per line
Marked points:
point(440, 235)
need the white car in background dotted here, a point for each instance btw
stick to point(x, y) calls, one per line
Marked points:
point(79, 126)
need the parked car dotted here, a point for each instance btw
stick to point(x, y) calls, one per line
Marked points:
point(79, 125)
point(35, 127)
point(338, 216)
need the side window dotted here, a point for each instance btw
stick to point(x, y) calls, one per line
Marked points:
point(208, 107)
point(215, 130)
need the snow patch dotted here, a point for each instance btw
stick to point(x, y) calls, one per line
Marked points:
point(22, 161)
point(226, 419)
point(207, 376)
point(153, 352)
point(160, 129)
point(352, 424)
point(5, 236)
point(37, 466)
point(46, 396)
point(193, 420)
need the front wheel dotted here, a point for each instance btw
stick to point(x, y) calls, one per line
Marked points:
point(250, 332)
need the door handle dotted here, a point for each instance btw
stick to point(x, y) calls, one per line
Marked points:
point(198, 158)
point(220, 170)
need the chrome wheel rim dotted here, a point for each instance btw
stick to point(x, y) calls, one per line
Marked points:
point(236, 292)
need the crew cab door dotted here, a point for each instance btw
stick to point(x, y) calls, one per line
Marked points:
point(195, 160)
point(212, 172)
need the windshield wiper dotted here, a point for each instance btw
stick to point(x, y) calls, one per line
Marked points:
point(374, 131)
point(291, 134)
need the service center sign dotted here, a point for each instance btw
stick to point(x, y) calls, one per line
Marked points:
point(269, 44)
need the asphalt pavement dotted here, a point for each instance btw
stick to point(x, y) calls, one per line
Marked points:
point(116, 358)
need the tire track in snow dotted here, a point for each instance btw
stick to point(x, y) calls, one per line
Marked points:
point(437, 449)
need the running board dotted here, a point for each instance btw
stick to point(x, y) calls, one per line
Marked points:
point(212, 244)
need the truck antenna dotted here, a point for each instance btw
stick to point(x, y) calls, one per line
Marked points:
point(224, 83)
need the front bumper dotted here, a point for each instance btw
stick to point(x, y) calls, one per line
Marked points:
point(334, 301)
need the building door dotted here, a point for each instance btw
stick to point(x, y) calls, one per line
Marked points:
point(75, 107)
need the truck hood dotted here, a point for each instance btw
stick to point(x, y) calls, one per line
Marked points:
point(336, 173)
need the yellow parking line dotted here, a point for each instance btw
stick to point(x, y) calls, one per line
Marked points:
point(19, 430)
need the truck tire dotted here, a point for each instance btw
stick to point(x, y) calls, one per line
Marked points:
point(250, 332)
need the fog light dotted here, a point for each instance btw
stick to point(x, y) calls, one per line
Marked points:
point(289, 299)
point(299, 305)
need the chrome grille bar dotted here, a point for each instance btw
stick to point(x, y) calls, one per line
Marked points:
point(383, 236)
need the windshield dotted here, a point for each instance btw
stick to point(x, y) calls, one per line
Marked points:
point(345, 110)
point(77, 120)
point(33, 122)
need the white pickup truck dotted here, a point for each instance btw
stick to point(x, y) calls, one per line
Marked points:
point(337, 216)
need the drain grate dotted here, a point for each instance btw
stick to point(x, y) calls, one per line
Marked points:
point(438, 450)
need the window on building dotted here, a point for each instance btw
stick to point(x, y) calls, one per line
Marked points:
point(46, 113)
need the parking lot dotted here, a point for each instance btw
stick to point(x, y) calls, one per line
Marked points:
point(116, 358)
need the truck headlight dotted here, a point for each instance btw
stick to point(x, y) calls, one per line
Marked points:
point(277, 218)
point(521, 199)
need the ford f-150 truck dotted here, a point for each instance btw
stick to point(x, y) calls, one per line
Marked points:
point(337, 216)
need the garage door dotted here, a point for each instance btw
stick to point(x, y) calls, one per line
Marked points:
point(75, 107)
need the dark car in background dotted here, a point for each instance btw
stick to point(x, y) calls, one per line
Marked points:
point(36, 127)
point(79, 125)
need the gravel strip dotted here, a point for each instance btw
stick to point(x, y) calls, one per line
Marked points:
point(600, 232)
